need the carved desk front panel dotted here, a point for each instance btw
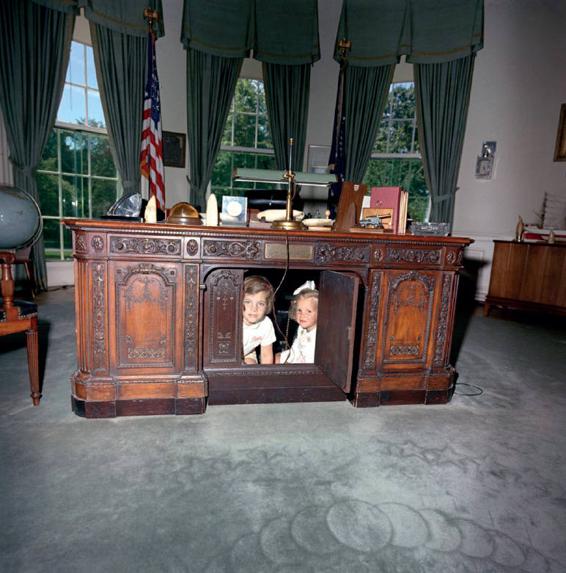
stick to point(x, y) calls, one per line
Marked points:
point(159, 320)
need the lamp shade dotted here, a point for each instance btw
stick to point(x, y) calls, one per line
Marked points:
point(274, 176)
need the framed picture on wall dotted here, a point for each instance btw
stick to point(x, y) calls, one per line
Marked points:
point(174, 146)
point(560, 149)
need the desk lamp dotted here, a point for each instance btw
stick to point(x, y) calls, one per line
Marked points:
point(291, 179)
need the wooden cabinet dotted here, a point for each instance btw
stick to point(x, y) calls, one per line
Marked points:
point(528, 275)
point(158, 317)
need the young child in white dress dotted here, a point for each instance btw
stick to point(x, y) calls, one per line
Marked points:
point(304, 310)
point(257, 328)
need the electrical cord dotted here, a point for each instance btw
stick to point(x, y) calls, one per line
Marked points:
point(478, 391)
point(285, 334)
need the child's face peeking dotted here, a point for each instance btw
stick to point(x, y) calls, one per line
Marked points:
point(255, 307)
point(306, 312)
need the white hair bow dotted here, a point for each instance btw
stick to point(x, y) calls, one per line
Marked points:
point(306, 285)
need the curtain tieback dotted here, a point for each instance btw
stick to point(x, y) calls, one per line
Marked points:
point(445, 196)
point(26, 170)
point(129, 184)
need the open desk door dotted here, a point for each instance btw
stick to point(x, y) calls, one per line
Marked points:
point(335, 334)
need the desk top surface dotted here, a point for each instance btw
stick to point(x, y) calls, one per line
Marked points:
point(105, 225)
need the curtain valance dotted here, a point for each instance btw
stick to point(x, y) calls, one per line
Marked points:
point(67, 6)
point(125, 16)
point(277, 31)
point(426, 31)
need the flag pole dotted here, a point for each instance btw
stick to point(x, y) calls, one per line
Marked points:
point(151, 154)
point(337, 159)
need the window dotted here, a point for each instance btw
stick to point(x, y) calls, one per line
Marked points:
point(246, 141)
point(77, 176)
point(395, 160)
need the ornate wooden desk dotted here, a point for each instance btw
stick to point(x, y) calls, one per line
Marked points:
point(158, 317)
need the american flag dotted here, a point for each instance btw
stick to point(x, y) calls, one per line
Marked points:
point(151, 156)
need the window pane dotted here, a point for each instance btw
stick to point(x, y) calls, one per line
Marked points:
point(72, 108)
point(265, 162)
point(263, 134)
point(75, 196)
point(402, 101)
point(103, 196)
point(48, 186)
point(51, 238)
point(90, 69)
point(222, 172)
point(244, 130)
point(76, 69)
point(101, 162)
point(245, 96)
point(400, 136)
point(95, 113)
point(74, 152)
point(261, 105)
point(227, 136)
point(49, 160)
point(382, 138)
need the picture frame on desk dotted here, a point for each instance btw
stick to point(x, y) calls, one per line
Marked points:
point(560, 147)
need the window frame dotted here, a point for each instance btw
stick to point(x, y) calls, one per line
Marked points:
point(232, 149)
point(59, 128)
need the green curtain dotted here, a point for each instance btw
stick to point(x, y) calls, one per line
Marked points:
point(365, 96)
point(278, 31)
point(211, 83)
point(123, 16)
point(443, 96)
point(221, 28)
point(426, 31)
point(286, 31)
point(287, 98)
point(35, 44)
point(120, 61)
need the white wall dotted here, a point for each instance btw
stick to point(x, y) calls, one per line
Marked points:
point(519, 84)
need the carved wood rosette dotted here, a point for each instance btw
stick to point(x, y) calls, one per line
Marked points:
point(192, 248)
point(80, 244)
point(191, 317)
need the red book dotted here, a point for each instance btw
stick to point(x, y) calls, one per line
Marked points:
point(387, 198)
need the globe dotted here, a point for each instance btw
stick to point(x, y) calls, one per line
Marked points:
point(20, 218)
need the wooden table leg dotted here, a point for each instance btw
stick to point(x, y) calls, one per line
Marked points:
point(33, 361)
